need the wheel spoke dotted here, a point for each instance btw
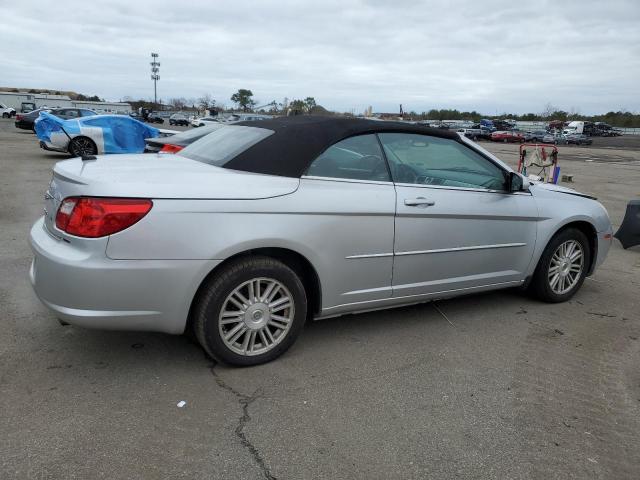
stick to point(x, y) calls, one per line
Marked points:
point(554, 281)
point(263, 338)
point(235, 332)
point(252, 295)
point(242, 298)
point(267, 292)
point(277, 305)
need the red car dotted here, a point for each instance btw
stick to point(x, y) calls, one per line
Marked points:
point(507, 137)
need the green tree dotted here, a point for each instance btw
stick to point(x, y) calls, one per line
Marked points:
point(309, 103)
point(244, 99)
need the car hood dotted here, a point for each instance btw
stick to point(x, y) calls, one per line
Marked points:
point(163, 176)
point(535, 185)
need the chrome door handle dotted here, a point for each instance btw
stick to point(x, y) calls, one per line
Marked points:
point(418, 202)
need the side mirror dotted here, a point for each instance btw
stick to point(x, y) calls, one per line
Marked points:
point(517, 183)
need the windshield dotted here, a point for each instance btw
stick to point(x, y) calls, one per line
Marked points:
point(224, 144)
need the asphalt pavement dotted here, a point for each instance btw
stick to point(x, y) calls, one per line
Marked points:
point(485, 386)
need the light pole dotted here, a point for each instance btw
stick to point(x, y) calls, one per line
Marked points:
point(155, 70)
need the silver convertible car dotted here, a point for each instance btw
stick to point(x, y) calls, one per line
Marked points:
point(253, 229)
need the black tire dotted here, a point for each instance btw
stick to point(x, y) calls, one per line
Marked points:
point(79, 146)
point(540, 284)
point(5, 115)
point(214, 293)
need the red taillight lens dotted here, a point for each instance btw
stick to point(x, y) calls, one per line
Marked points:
point(18, 117)
point(99, 217)
point(168, 148)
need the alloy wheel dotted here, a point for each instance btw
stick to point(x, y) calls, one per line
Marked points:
point(565, 267)
point(82, 146)
point(256, 316)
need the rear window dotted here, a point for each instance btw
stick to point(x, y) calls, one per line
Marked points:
point(224, 144)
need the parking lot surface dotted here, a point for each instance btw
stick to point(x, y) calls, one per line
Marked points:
point(486, 386)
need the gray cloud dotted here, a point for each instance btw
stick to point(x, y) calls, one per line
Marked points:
point(488, 56)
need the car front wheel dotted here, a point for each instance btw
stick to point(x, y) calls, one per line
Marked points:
point(562, 267)
point(251, 312)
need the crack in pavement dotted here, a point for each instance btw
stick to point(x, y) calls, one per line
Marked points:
point(245, 401)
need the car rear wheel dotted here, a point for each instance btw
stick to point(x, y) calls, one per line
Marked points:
point(5, 115)
point(251, 312)
point(82, 146)
point(562, 267)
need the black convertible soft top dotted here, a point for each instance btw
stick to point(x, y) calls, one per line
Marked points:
point(299, 140)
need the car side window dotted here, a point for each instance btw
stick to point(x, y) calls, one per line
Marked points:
point(70, 114)
point(425, 160)
point(354, 158)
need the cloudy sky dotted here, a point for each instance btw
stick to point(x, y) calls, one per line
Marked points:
point(484, 55)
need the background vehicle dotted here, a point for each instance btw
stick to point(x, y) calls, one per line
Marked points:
point(7, 112)
point(554, 138)
point(69, 113)
point(25, 121)
point(246, 117)
point(93, 135)
point(507, 136)
point(178, 119)
point(536, 136)
point(154, 117)
point(177, 142)
point(26, 107)
point(259, 226)
point(201, 122)
point(578, 139)
point(472, 133)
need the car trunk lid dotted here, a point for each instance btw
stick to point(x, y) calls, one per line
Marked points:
point(156, 176)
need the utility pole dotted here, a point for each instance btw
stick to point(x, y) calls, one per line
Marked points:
point(155, 70)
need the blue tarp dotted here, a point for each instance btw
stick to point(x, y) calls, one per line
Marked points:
point(111, 133)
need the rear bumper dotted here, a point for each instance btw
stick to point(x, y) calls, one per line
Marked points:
point(85, 288)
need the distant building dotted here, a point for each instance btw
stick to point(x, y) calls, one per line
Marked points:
point(41, 100)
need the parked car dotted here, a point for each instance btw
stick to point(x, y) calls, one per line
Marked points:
point(93, 135)
point(6, 111)
point(246, 117)
point(179, 119)
point(201, 122)
point(69, 113)
point(257, 227)
point(25, 121)
point(536, 136)
point(177, 142)
point(154, 117)
point(578, 139)
point(472, 133)
point(507, 136)
point(554, 138)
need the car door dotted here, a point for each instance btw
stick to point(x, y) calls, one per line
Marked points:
point(348, 200)
point(456, 227)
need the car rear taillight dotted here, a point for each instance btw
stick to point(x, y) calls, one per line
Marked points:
point(94, 217)
point(18, 117)
point(169, 148)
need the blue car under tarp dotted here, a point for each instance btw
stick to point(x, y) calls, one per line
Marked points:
point(110, 133)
